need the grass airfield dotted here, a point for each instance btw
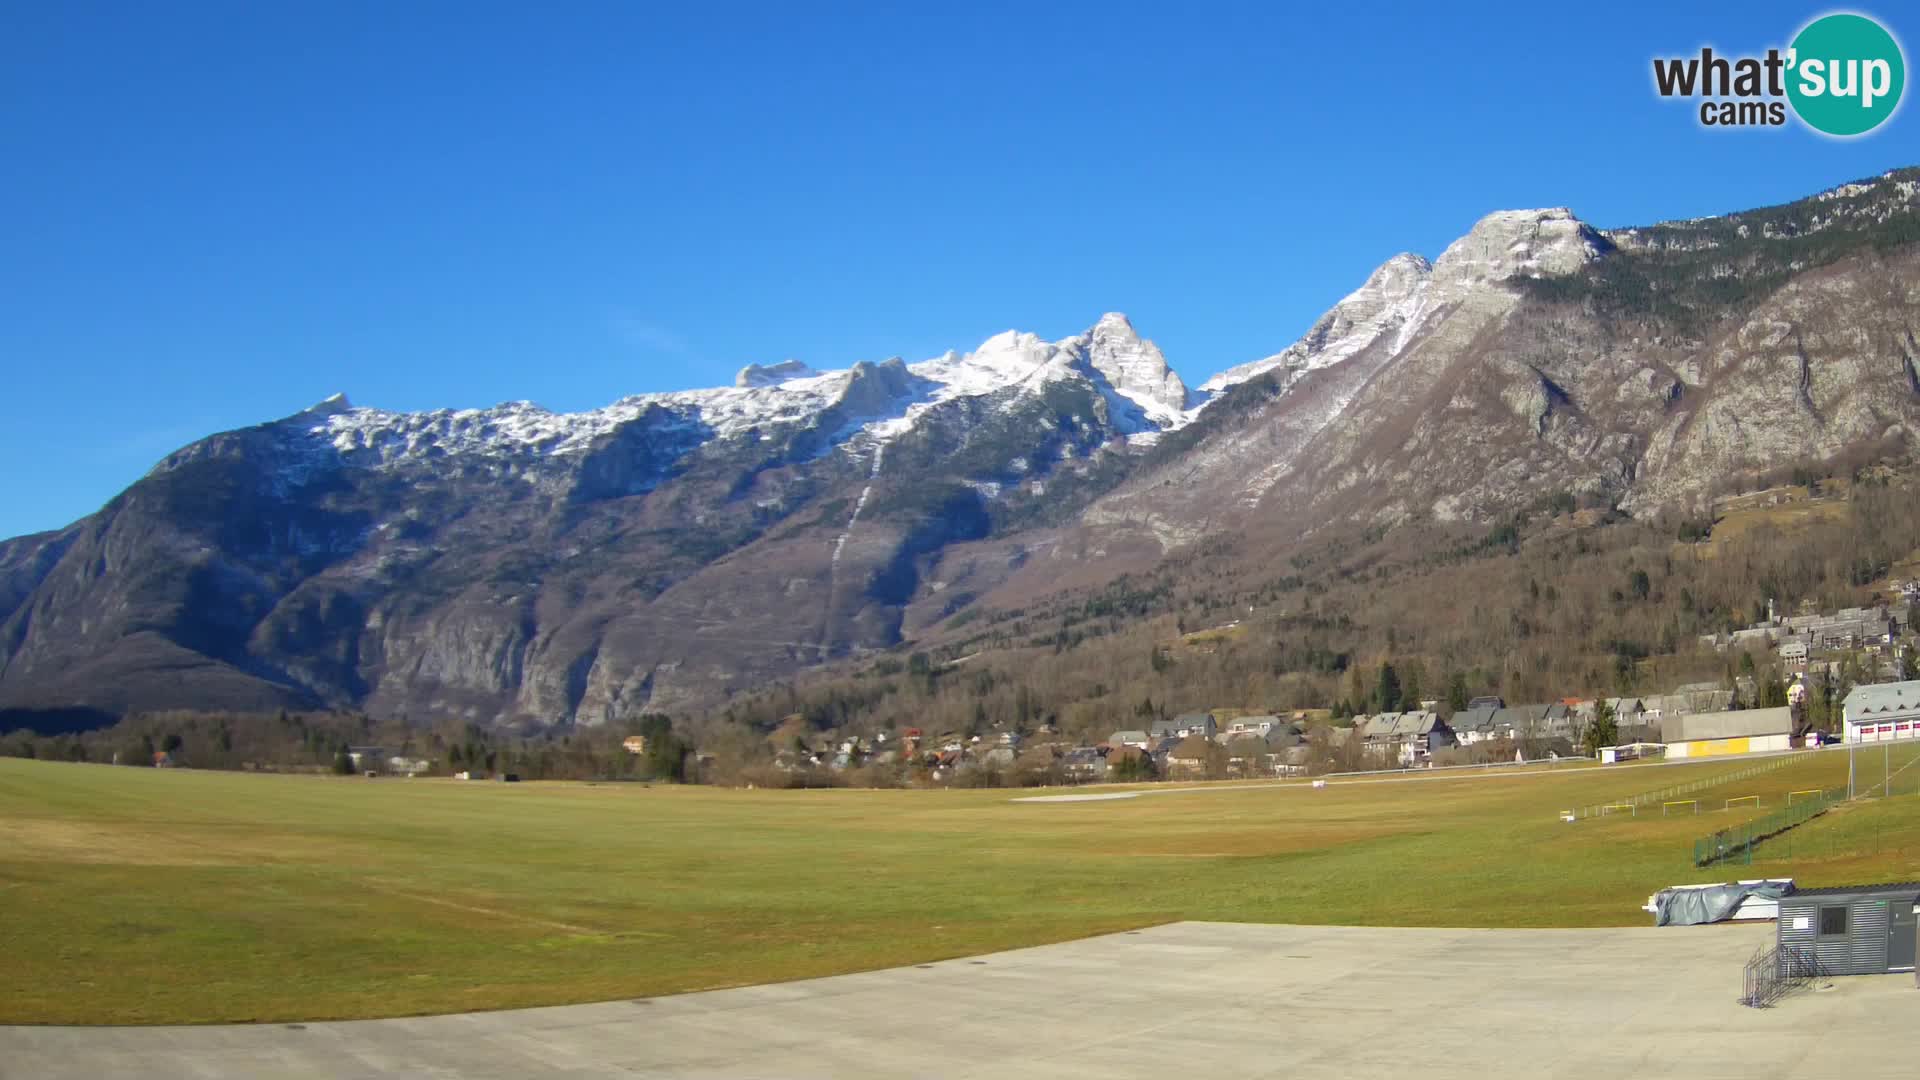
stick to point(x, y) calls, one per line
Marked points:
point(173, 896)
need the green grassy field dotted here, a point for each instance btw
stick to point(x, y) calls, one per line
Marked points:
point(144, 896)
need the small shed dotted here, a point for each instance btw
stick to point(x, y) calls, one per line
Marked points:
point(1852, 929)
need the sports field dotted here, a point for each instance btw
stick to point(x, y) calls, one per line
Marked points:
point(145, 896)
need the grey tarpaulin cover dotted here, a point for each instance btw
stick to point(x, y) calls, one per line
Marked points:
point(1687, 907)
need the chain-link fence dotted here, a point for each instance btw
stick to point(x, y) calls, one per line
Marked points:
point(1632, 803)
point(1735, 843)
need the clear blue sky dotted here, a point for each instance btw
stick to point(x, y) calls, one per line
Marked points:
point(217, 214)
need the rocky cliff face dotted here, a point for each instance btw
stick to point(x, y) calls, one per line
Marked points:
point(1539, 355)
point(517, 565)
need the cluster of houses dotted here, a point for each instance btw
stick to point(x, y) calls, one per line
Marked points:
point(1695, 720)
point(1797, 638)
point(1692, 721)
point(373, 759)
point(1545, 731)
point(1197, 744)
point(1192, 745)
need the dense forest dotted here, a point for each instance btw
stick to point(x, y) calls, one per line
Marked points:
point(1557, 602)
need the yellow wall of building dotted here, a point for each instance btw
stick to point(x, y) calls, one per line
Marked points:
point(1718, 747)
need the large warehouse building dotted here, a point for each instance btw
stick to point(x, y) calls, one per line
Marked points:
point(1713, 734)
point(1883, 711)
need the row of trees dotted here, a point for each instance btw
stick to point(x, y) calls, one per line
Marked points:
point(319, 742)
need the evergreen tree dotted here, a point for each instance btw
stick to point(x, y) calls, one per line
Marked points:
point(1387, 694)
point(1603, 731)
point(1411, 695)
point(1774, 693)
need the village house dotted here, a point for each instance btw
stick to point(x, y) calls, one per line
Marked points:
point(1285, 735)
point(1295, 760)
point(1130, 737)
point(1536, 723)
point(1190, 759)
point(1471, 726)
point(1084, 763)
point(1253, 725)
point(1249, 755)
point(1161, 747)
point(1409, 737)
point(1420, 734)
point(1119, 757)
point(999, 757)
point(1195, 723)
point(634, 744)
point(1691, 698)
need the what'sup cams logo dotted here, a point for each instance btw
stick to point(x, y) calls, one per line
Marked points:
point(1842, 76)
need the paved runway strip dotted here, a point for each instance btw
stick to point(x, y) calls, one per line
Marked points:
point(1189, 999)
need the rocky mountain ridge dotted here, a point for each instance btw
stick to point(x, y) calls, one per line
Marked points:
point(517, 565)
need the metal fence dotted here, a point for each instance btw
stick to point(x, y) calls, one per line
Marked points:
point(1736, 843)
point(1672, 791)
point(1776, 971)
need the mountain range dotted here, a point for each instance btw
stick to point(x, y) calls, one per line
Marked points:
point(513, 565)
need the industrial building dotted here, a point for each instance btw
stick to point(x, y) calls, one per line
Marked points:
point(1882, 712)
point(1715, 734)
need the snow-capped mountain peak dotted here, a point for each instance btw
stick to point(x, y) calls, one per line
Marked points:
point(1392, 301)
point(874, 401)
point(1136, 369)
point(879, 402)
point(772, 374)
point(1512, 243)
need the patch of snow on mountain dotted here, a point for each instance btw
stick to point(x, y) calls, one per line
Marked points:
point(1393, 300)
point(877, 401)
point(772, 374)
point(1511, 243)
point(1136, 370)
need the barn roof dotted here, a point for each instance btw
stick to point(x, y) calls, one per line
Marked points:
point(1741, 723)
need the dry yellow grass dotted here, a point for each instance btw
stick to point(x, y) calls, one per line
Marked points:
point(143, 896)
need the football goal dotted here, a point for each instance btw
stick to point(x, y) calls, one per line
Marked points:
point(1626, 806)
point(1692, 806)
point(1748, 800)
point(1814, 791)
